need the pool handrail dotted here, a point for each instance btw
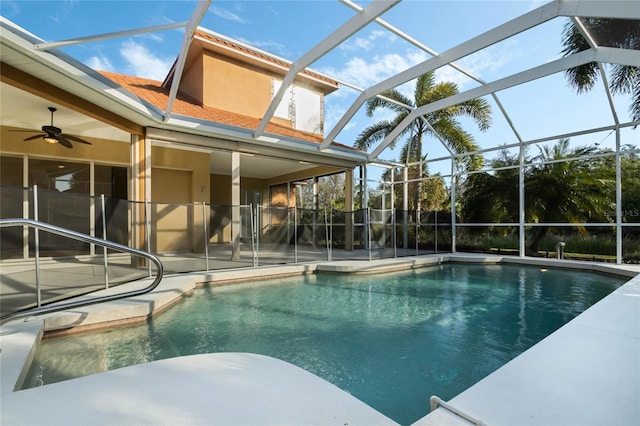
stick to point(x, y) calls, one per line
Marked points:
point(436, 401)
point(56, 307)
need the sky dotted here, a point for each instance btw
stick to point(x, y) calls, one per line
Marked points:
point(290, 28)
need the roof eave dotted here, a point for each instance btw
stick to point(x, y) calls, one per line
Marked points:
point(58, 69)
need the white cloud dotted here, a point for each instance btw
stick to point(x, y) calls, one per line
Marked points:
point(487, 64)
point(143, 63)
point(100, 63)
point(367, 43)
point(154, 37)
point(332, 114)
point(229, 16)
point(366, 72)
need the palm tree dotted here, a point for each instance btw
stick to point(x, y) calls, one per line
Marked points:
point(562, 185)
point(492, 197)
point(559, 189)
point(621, 33)
point(443, 122)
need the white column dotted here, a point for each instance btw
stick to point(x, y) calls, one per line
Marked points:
point(25, 206)
point(349, 205)
point(405, 204)
point(618, 200)
point(235, 203)
point(521, 212)
point(454, 182)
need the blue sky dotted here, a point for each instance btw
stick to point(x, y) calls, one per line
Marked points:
point(290, 28)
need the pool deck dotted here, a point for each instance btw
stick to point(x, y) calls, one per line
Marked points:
point(586, 373)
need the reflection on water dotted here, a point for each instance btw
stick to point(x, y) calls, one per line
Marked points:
point(390, 340)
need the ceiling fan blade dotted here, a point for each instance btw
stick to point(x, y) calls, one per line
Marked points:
point(75, 139)
point(64, 142)
point(30, 138)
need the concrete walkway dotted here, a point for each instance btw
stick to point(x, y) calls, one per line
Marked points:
point(222, 388)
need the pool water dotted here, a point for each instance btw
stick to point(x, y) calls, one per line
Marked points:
point(391, 340)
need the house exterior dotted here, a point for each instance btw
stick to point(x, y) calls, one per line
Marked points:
point(200, 151)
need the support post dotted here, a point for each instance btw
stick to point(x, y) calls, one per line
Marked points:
point(618, 199)
point(454, 183)
point(104, 237)
point(147, 227)
point(521, 212)
point(348, 216)
point(365, 206)
point(295, 234)
point(92, 207)
point(37, 246)
point(205, 219)
point(235, 205)
point(405, 205)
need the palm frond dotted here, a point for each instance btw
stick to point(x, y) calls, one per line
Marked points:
point(372, 134)
point(479, 110)
point(440, 91)
point(626, 80)
point(377, 132)
point(620, 33)
point(424, 85)
point(376, 102)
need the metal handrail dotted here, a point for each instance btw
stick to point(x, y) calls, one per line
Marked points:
point(435, 401)
point(87, 239)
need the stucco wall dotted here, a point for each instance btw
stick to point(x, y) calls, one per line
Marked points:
point(235, 86)
point(179, 178)
point(192, 80)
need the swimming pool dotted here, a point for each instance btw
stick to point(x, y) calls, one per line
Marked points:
point(391, 340)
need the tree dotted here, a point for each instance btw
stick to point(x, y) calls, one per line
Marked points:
point(492, 197)
point(566, 187)
point(630, 182)
point(562, 185)
point(434, 193)
point(443, 122)
point(620, 33)
point(331, 191)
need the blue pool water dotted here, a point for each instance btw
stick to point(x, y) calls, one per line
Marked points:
point(391, 340)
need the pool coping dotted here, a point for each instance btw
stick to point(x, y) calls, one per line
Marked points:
point(18, 338)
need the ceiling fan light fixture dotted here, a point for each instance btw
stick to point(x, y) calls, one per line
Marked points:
point(50, 139)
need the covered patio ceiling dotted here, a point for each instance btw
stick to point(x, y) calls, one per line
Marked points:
point(50, 62)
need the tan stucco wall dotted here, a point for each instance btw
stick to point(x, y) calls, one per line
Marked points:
point(192, 80)
point(172, 223)
point(178, 176)
point(235, 86)
point(177, 159)
point(171, 186)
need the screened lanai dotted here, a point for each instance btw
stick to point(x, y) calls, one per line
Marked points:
point(528, 165)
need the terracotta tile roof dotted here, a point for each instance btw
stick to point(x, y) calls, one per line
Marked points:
point(153, 92)
point(265, 57)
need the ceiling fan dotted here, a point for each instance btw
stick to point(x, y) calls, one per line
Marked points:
point(53, 134)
